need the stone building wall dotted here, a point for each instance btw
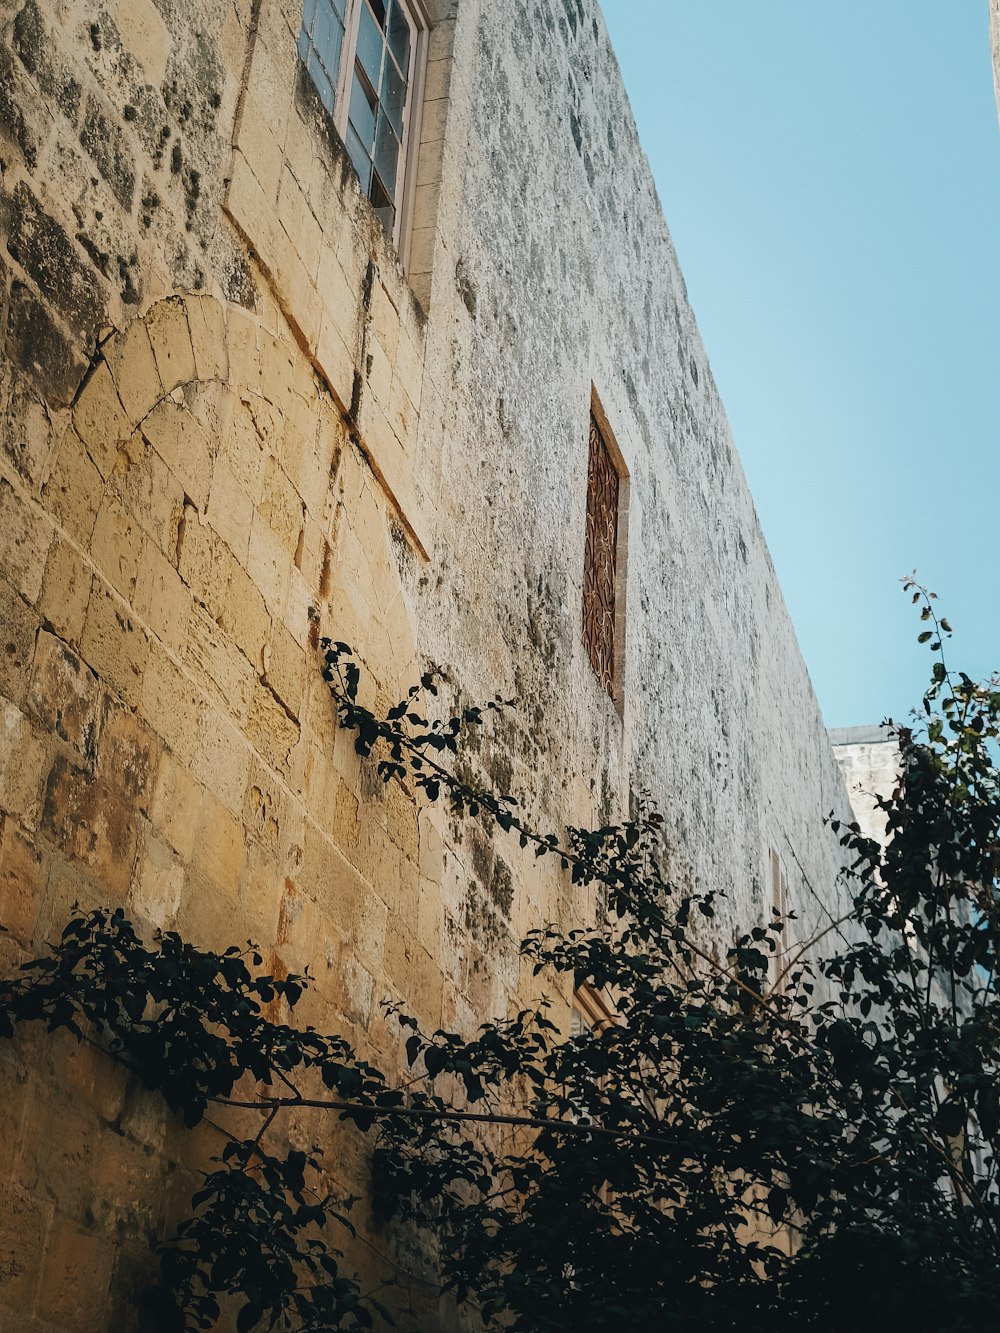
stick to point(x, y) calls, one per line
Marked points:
point(233, 420)
point(870, 762)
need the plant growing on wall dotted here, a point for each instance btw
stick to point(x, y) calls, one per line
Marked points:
point(726, 1153)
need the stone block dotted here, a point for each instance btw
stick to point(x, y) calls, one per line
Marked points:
point(153, 493)
point(18, 627)
point(23, 875)
point(230, 509)
point(23, 764)
point(249, 206)
point(115, 644)
point(15, 95)
point(177, 799)
point(37, 345)
point(337, 363)
point(128, 754)
point(259, 148)
point(271, 731)
point(203, 563)
point(133, 368)
point(162, 601)
point(55, 265)
point(384, 319)
point(219, 845)
point(341, 298)
point(217, 665)
point(101, 420)
point(311, 555)
point(172, 704)
point(145, 36)
point(24, 1227)
point(74, 490)
point(277, 368)
point(298, 222)
point(170, 338)
point(295, 284)
point(300, 611)
point(91, 824)
point(244, 452)
point(410, 365)
point(183, 445)
point(156, 891)
point(269, 565)
point(207, 322)
point(378, 378)
point(116, 545)
point(422, 243)
point(263, 808)
point(26, 536)
point(106, 142)
point(404, 416)
point(222, 759)
point(74, 1291)
point(285, 669)
point(65, 591)
point(244, 615)
point(280, 506)
point(89, 1080)
point(244, 354)
point(64, 694)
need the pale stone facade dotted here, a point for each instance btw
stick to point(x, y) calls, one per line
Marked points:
point(235, 418)
point(869, 760)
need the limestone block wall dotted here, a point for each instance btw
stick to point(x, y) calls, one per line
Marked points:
point(235, 417)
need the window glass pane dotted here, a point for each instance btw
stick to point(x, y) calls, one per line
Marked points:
point(378, 9)
point(386, 153)
point(370, 46)
point(328, 37)
point(303, 45)
point(308, 14)
point(393, 96)
point(382, 204)
point(362, 114)
point(399, 37)
point(360, 159)
point(323, 85)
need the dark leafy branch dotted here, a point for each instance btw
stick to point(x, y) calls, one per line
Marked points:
point(727, 1153)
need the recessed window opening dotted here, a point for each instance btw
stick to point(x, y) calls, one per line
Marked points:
point(604, 556)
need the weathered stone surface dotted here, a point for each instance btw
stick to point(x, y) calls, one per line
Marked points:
point(42, 248)
point(105, 141)
point(239, 418)
point(39, 348)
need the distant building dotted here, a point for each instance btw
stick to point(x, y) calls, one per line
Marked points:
point(869, 760)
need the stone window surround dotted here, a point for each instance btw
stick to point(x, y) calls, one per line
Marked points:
point(296, 201)
point(596, 408)
point(417, 14)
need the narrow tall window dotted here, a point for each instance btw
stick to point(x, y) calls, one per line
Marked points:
point(779, 909)
point(600, 573)
point(361, 55)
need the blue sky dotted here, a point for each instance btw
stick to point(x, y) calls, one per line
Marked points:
point(831, 177)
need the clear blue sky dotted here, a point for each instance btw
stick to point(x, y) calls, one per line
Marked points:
point(830, 173)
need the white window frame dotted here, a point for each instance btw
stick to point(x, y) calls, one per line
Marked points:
point(406, 174)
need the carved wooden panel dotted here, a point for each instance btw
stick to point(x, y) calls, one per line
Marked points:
point(600, 559)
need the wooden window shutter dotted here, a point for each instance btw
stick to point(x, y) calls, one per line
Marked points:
point(600, 575)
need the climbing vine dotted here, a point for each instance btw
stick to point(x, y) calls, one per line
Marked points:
point(727, 1152)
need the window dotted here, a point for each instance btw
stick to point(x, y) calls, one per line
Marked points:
point(591, 1011)
point(602, 618)
point(362, 57)
point(779, 909)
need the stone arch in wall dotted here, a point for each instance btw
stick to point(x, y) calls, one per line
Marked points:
point(168, 744)
point(211, 519)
